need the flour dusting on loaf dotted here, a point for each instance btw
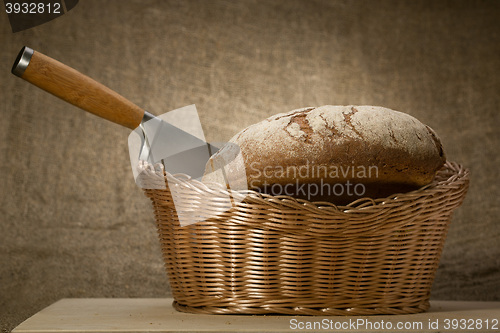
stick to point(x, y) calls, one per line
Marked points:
point(334, 145)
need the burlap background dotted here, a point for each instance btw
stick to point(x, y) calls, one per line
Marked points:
point(74, 224)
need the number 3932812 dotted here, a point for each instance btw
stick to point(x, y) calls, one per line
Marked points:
point(33, 8)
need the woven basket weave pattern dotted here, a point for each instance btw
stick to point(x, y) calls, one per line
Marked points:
point(280, 255)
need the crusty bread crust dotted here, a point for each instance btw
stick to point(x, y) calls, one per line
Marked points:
point(385, 150)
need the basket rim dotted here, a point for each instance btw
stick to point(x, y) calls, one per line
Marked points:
point(451, 174)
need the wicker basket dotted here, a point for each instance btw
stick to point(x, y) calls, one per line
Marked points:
point(278, 255)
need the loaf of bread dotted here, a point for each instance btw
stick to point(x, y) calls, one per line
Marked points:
point(332, 153)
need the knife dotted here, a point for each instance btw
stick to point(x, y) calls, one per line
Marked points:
point(177, 149)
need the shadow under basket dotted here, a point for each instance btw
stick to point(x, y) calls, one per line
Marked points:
point(279, 255)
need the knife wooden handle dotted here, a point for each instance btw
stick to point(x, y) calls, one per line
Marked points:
point(76, 88)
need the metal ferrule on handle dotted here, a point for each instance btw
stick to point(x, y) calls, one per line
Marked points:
point(147, 116)
point(22, 61)
point(145, 153)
